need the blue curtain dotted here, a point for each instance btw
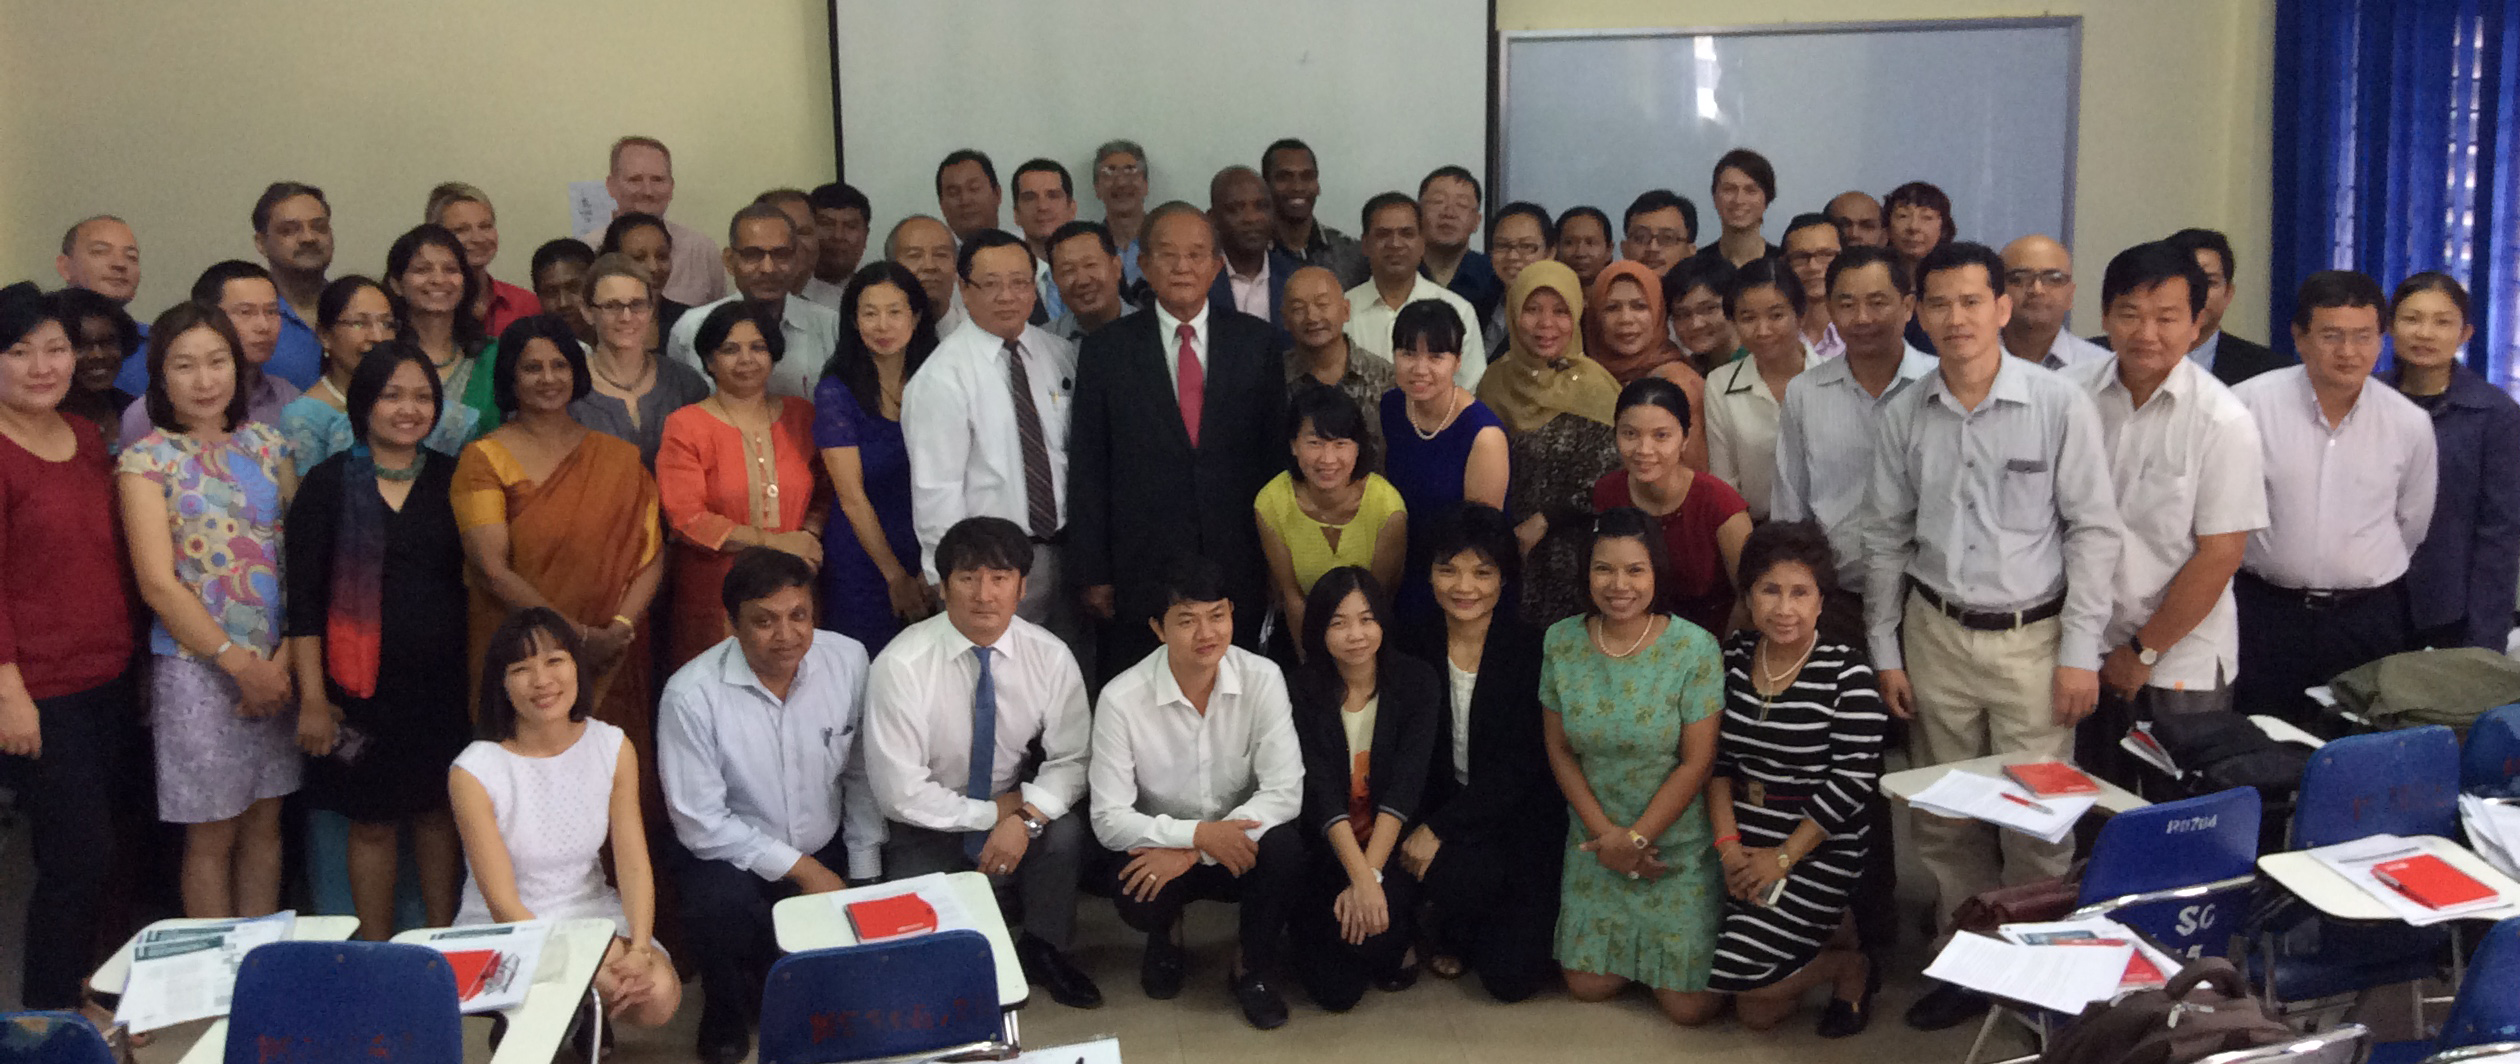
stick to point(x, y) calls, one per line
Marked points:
point(2396, 151)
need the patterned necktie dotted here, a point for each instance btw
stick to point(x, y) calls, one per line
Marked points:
point(1041, 504)
point(1193, 384)
point(983, 747)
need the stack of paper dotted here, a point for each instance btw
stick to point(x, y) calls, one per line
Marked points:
point(494, 963)
point(2493, 827)
point(2058, 978)
point(2355, 860)
point(2004, 804)
point(2139, 741)
point(184, 973)
point(2147, 966)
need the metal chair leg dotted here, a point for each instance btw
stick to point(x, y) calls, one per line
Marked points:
point(1985, 1031)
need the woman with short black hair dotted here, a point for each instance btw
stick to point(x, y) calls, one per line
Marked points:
point(1326, 510)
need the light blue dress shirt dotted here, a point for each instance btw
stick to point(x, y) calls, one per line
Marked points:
point(758, 782)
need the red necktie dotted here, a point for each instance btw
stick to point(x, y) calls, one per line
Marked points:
point(1193, 385)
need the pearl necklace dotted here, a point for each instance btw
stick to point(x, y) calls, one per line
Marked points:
point(1604, 629)
point(1773, 679)
point(1449, 413)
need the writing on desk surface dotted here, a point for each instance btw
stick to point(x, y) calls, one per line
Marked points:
point(855, 1023)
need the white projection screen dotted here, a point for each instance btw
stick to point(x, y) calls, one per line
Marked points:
point(1383, 91)
point(1985, 109)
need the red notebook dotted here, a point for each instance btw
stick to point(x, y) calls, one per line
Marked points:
point(901, 914)
point(474, 971)
point(2051, 779)
point(2431, 881)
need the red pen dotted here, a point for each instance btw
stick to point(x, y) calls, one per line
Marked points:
point(2021, 801)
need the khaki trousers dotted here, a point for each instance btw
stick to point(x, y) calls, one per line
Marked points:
point(1980, 693)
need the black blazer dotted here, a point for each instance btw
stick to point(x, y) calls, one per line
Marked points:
point(1404, 741)
point(1138, 491)
point(2235, 359)
point(1511, 793)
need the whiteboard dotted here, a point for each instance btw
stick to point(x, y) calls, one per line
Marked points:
point(1985, 109)
point(1383, 91)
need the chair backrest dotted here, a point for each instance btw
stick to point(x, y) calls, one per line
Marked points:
point(2206, 839)
point(2492, 755)
point(324, 1002)
point(2402, 782)
point(2342, 1044)
point(884, 999)
point(2487, 1008)
point(51, 1038)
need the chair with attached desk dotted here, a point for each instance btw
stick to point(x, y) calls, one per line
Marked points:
point(2486, 1010)
point(2397, 783)
point(2177, 873)
point(326, 1002)
point(2491, 757)
point(924, 996)
point(2342, 1044)
point(47, 1037)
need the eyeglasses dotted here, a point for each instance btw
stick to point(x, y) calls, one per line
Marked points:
point(2026, 278)
point(620, 307)
point(1657, 238)
point(757, 256)
point(1120, 170)
point(1002, 286)
point(1810, 258)
point(1519, 247)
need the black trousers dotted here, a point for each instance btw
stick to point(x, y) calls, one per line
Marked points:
point(1495, 906)
point(2287, 645)
point(1039, 897)
point(726, 920)
point(1334, 972)
point(69, 794)
point(1263, 892)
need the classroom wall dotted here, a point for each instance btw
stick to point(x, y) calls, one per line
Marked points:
point(2175, 119)
point(175, 115)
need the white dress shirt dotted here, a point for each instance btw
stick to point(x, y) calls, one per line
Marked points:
point(1370, 320)
point(1741, 417)
point(1998, 508)
point(2346, 506)
point(1161, 767)
point(758, 782)
point(2068, 351)
point(823, 293)
point(958, 423)
point(1171, 328)
point(918, 724)
point(1824, 453)
point(811, 329)
point(2186, 464)
point(696, 274)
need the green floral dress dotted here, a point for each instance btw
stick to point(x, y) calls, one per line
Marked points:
point(1624, 716)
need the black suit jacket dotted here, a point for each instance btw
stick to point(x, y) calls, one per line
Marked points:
point(2235, 359)
point(1404, 742)
point(1512, 796)
point(1138, 492)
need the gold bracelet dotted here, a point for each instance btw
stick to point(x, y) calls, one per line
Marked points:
point(624, 621)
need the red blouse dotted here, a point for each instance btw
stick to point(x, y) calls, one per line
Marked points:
point(66, 620)
point(1705, 595)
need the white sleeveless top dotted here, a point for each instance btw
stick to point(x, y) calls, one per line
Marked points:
point(555, 815)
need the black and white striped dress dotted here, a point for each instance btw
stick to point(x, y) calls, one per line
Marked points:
point(1816, 748)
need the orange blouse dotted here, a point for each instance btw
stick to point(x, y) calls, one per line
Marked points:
point(706, 477)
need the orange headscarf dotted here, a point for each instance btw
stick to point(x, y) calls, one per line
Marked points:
point(1658, 351)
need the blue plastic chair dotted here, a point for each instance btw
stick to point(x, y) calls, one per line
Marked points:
point(2398, 783)
point(51, 1038)
point(2492, 755)
point(2180, 873)
point(326, 1002)
point(2486, 1010)
point(927, 995)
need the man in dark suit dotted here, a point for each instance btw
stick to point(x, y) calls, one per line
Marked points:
point(1255, 272)
point(2229, 358)
point(1177, 425)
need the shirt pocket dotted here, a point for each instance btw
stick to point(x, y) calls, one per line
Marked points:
point(2025, 495)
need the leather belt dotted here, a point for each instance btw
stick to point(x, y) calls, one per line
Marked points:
point(1984, 621)
point(2320, 599)
point(1758, 793)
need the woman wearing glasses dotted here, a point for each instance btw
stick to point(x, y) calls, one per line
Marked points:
point(634, 388)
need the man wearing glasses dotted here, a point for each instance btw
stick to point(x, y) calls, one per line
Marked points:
point(1811, 244)
point(1661, 228)
point(2039, 273)
point(1120, 183)
point(761, 252)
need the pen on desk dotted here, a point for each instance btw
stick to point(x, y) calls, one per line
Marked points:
point(2019, 800)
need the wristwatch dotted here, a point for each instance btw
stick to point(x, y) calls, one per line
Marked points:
point(1032, 828)
point(2143, 654)
point(1784, 861)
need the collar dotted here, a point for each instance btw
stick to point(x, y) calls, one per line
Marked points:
point(1913, 364)
point(1743, 373)
point(1255, 276)
point(2177, 387)
point(1168, 327)
point(735, 671)
point(2011, 385)
point(1168, 689)
point(2467, 389)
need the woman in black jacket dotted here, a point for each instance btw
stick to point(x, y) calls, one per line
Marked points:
point(1493, 820)
point(1365, 718)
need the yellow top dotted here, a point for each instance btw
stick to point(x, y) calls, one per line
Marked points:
point(1308, 541)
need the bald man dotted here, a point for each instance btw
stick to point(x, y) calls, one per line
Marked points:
point(1317, 317)
point(100, 254)
point(2039, 275)
point(923, 246)
point(1256, 270)
point(1858, 219)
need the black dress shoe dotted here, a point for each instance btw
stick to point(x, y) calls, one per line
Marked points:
point(1050, 969)
point(1397, 979)
point(724, 1036)
point(1160, 973)
point(1947, 1005)
point(1844, 1018)
point(1261, 1003)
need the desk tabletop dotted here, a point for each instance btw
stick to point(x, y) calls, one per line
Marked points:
point(1907, 783)
point(2333, 894)
point(570, 958)
point(816, 921)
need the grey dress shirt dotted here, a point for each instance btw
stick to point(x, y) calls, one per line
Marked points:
point(1994, 509)
point(1824, 453)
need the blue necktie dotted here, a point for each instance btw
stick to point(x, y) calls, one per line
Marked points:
point(983, 747)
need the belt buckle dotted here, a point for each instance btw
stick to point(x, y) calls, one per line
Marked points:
point(1758, 792)
point(2319, 600)
point(2017, 621)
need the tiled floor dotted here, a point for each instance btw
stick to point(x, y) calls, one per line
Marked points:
point(1437, 1022)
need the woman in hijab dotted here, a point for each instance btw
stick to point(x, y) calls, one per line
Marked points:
point(1625, 333)
point(1557, 408)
